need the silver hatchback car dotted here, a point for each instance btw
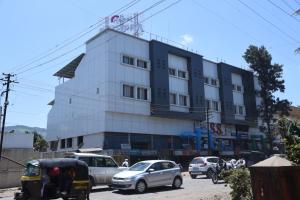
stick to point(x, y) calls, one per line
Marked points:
point(147, 174)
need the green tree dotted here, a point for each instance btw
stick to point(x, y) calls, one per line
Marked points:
point(270, 79)
point(39, 143)
point(282, 127)
point(292, 141)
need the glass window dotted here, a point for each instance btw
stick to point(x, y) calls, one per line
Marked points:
point(207, 104)
point(236, 110)
point(142, 93)
point(62, 143)
point(140, 166)
point(128, 91)
point(241, 110)
point(239, 88)
point(182, 100)
point(110, 163)
point(98, 162)
point(128, 60)
point(172, 71)
point(206, 80)
point(173, 98)
point(142, 64)
point(181, 74)
point(32, 170)
point(215, 105)
point(167, 165)
point(197, 161)
point(213, 160)
point(79, 140)
point(214, 82)
point(233, 86)
point(87, 160)
point(69, 143)
point(156, 166)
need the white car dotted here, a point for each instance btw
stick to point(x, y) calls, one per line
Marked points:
point(200, 166)
point(147, 174)
point(101, 167)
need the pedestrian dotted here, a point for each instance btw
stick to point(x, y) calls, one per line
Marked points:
point(125, 163)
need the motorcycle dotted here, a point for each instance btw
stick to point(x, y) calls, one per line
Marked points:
point(216, 171)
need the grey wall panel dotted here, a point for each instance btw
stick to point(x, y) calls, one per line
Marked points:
point(226, 95)
point(159, 81)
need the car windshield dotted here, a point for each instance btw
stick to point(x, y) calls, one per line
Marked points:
point(32, 170)
point(141, 166)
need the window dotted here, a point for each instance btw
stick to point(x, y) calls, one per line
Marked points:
point(197, 161)
point(207, 104)
point(142, 93)
point(110, 163)
point(215, 105)
point(156, 166)
point(128, 60)
point(167, 165)
point(62, 143)
point(214, 82)
point(87, 160)
point(69, 142)
point(98, 91)
point(181, 74)
point(241, 110)
point(213, 160)
point(98, 162)
point(233, 87)
point(142, 64)
point(70, 100)
point(79, 140)
point(172, 72)
point(182, 100)
point(128, 91)
point(173, 99)
point(206, 80)
point(238, 88)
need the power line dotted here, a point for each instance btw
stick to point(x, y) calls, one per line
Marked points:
point(288, 5)
point(77, 36)
point(77, 47)
point(269, 22)
point(279, 8)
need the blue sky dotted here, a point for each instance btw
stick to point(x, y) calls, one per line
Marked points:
point(218, 30)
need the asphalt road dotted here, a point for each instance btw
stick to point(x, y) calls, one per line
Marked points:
point(192, 189)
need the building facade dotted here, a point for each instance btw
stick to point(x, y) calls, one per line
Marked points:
point(143, 98)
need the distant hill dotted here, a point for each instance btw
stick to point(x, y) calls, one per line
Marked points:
point(24, 129)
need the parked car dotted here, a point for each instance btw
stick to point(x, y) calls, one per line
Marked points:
point(101, 167)
point(200, 166)
point(147, 174)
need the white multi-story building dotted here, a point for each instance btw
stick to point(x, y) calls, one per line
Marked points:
point(129, 95)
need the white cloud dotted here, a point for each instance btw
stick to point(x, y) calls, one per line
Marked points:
point(186, 39)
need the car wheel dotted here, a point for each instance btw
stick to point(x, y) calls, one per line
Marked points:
point(177, 183)
point(214, 178)
point(193, 176)
point(140, 186)
point(209, 173)
point(91, 184)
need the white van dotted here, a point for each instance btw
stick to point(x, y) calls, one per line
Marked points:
point(101, 167)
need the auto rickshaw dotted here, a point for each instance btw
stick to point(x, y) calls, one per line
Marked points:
point(45, 179)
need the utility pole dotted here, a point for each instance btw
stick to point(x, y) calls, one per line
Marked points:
point(7, 81)
point(208, 138)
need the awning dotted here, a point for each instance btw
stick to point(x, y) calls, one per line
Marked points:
point(68, 71)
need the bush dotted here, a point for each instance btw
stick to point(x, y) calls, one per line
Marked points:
point(239, 181)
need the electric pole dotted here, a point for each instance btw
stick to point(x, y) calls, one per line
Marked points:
point(208, 138)
point(7, 81)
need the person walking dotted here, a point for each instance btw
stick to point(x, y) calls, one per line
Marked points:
point(125, 163)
